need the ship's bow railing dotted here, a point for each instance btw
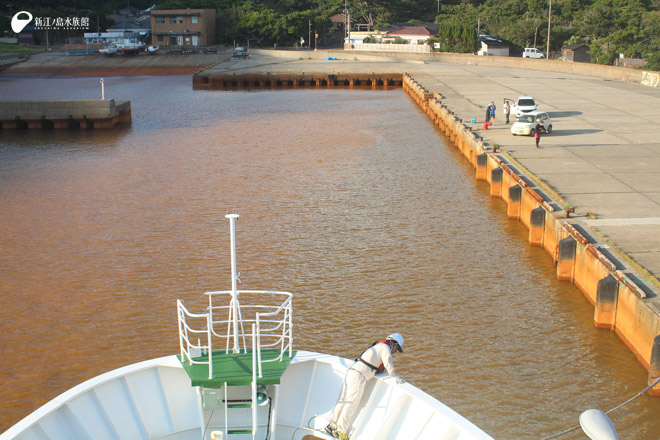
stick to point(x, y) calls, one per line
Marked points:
point(202, 334)
point(193, 328)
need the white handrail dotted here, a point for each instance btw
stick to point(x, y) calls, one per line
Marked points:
point(254, 381)
point(272, 318)
point(258, 336)
point(184, 337)
point(210, 345)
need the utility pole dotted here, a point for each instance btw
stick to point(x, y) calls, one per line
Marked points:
point(347, 24)
point(309, 37)
point(549, 17)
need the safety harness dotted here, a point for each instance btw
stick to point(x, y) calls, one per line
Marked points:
point(376, 369)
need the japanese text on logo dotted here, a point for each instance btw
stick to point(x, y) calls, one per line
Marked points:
point(61, 23)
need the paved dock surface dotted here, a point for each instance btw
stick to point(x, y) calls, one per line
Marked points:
point(603, 156)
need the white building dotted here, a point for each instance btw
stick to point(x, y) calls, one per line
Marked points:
point(412, 34)
point(493, 47)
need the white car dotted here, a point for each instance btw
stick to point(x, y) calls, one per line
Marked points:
point(532, 52)
point(527, 122)
point(524, 104)
point(152, 49)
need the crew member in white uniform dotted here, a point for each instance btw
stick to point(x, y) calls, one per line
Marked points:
point(373, 360)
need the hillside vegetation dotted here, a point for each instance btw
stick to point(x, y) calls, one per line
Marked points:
point(608, 27)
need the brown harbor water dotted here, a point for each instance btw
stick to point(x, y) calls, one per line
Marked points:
point(349, 199)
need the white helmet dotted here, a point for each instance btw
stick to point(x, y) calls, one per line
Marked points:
point(396, 337)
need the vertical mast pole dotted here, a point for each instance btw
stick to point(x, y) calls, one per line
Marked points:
point(234, 292)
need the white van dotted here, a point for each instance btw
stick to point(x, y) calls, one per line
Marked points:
point(532, 52)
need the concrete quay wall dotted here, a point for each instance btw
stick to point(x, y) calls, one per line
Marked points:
point(64, 114)
point(230, 81)
point(618, 302)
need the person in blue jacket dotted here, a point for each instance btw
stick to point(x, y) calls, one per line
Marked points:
point(491, 110)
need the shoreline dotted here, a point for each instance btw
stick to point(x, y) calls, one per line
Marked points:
point(103, 71)
point(56, 64)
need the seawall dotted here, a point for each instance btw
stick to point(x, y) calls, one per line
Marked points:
point(619, 303)
point(233, 81)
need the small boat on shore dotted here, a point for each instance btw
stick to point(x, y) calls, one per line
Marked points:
point(123, 46)
point(109, 50)
point(237, 376)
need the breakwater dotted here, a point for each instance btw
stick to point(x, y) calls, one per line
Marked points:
point(84, 114)
point(233, 81)
point(619, 303)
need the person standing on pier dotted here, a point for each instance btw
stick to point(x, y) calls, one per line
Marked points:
point(491, 110)
point(537, 132)
point(373, 360)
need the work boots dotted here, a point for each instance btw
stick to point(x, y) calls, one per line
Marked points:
point(332, 431)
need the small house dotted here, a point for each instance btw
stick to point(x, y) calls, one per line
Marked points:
point(358, 37)
point(412, 34)
point(339, 21)
point(577, 53)
point(493, 47)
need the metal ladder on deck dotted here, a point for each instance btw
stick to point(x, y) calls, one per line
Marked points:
point(251, 403)
point(239, 404)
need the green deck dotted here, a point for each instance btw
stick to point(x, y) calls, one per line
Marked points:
point(236, 369)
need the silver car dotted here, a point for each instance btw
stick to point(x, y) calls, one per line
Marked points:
point(527, 121)
point(532, 52)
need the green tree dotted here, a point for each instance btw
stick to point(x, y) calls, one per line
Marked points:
point(649, 35)
point(456, 37)
point(597, 21)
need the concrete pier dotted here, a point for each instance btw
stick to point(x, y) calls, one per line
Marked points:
point(64, 115)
